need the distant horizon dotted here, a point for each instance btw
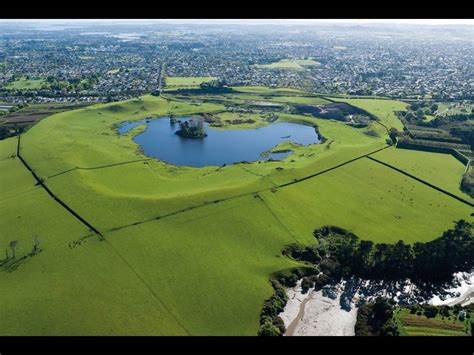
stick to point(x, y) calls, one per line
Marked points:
point(425, 22)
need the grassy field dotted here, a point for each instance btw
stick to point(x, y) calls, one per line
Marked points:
point(441, 170)
point(420, 325)
point(8, 148)
point(267, 91)
point(295, 64)
point(34, 112)
point(300, 100)
point(213, 277)
point(187, 81)
point(27, 210)
point(25, 84)
point(88, 290)
point(113, 71)
point(382, 109)
point(188, 250)
point(369, 199)
point(446, 109)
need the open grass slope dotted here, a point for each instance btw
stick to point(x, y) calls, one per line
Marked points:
point(27, 210)
point(210, 265)
point(369, 199)
point(305, 100)
point(203, 266)
point(266, 90)
point(382, 109)
point(187, 81)
point(87, 138)
point(201, 272)
point(441, 170)
point(139, 190)
point(127, 193)
point(8, 148)
point(88, 290)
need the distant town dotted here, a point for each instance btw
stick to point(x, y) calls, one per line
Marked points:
point(85, 63)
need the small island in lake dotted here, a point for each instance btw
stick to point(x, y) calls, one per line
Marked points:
point(194, 128)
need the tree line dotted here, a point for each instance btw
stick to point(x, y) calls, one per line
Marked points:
point(341, 254)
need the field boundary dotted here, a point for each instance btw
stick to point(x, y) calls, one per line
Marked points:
point(241, 195)
point(332, 168)
point(124, 260)
point(422, 181)
point(262, 200)
point(99, 167)
point(41, 183)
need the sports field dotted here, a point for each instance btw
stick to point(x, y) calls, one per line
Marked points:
point(187, 82)
point(25, 84)
point(295, 64)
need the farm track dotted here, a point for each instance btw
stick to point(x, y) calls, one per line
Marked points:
point(423, 181)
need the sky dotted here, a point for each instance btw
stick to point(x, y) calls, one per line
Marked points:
point(433, 22)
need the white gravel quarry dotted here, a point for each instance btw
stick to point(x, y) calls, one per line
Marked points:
point(313, 314)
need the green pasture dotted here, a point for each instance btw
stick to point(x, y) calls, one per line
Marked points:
point(382, 109)
point(305, 100)
point(187, 81)
point(420, 325)
point(441, 170)
point(296, 64)
point(369, 199)
point(190, 250)
point(25, 84)
point(261, 90)
point(210, 265)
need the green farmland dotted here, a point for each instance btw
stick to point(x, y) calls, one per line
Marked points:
point(295, 64)
point(440, 325)
point(187, 82)
point(25, 84)
point(189, 251)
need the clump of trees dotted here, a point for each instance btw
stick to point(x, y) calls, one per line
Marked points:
point(341, 254)
point(467, 182)
point(13, 245)
point(194, 128)
point(376, 319)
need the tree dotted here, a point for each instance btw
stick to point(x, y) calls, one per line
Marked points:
point(13, 245)
point(430, 311)
point(394, 133)
point(420, 113)
point(415, 106)
point(36, 247)
point(268, 329)
point(409, 116)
